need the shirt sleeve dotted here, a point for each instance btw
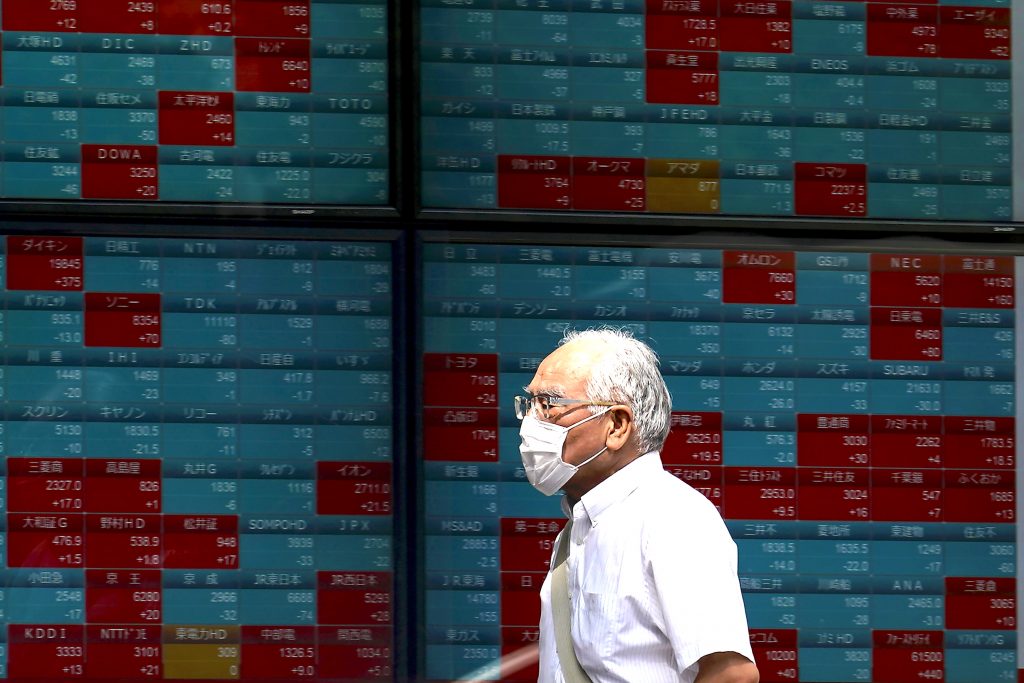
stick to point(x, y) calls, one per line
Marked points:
point(692, 564)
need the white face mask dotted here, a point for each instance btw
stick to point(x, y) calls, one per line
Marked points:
point(541, 451)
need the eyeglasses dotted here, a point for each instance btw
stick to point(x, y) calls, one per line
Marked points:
point(525, 404)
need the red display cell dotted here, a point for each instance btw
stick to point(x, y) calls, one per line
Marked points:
point(981, 603)
point(120, 172)
point(910, 334)
point(122, 485)
point(49, 17)
point(123, 597)
point(520, 597)
point(469, 435)
point(980, 442)
point(195, 18)
point(681, 25)
point(906, 495)
point(682, 77)
point(608, 184)
point(534, 182)
point(45, 263)
point(272, 65)
point(756, 26)
point(974, 32)
point(197, 118)
point(355, 653)
point(117, 16)
point(129, 652)
point(119, 540)
point(827, 189)
point(834, 494)
point(519, 653)
point(760, 493)
point(41, 540)
point(833, 440)
point(526, 544)
point(200, 541)
point(906, 280)
point(122, 319)
point(272, 18)
point(979, 282)
point(898, 30)
point(353, 488)
point(980, 496)
point(354, 597)
point(694, 439)
point(707, 481)
point(279, 653)
point(48, 652)
point(775, 653)
point(914, 441)
point(45, 484)
point(759, 277)
point(460, 380)
point(900, 656)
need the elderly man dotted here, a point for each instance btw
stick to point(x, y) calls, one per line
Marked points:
point(643, 586)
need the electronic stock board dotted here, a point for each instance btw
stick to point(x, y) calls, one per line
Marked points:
point(851, 413)
point(883, 110)
point(258, 102)
point(197, 440)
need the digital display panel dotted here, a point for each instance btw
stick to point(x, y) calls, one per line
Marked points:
point(198, 447)
point(878, 110)
point(242, 102)
point(852, 415)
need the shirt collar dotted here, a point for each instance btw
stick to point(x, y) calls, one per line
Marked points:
point(617, 487)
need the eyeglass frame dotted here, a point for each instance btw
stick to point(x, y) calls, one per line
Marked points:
point(529, 400)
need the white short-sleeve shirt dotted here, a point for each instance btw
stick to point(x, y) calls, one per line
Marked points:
point(652, 581)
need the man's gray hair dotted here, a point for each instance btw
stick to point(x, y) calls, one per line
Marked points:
point(628, 373)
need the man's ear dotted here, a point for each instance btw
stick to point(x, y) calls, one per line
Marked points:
point(622, 427)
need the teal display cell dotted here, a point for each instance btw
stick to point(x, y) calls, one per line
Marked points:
point(521, 83)
point(42, 181)
point(816, 395)
point(444, 334)
point(117, 70)
point(120, 440)
point(754, 197)
point(278, 388)
point(352, 554)
point(462, 607)
point(276, 552)
point(899, 200)
point(350, 76)
point(971, 665)
point(606, 30)
point(828, 37)
point(35, 439)
point(140, 386)
point(273, 185)
point(275, 497)
point(122, 274)
point(845, 342)
point(359, 131)
point(461, 498)
point(747, 340)
point(592, 138)
point(972, 95)
point(270, 441)
point(189, 276)
point(38, 605)
point(43, 329)
point(906, 398)
point(610, 283)
point(839, 558)
point(828, 91)
point(978, 398)
point(958, 148)
point(448, 552)
point(834, 611)
point(615, 85)
point(980, 559)
point(531, 336)
point(200, 496)
point(457, 27)
point(975, 203)
point(363, 20)
point(903, 148)
point(777, 610)
point(200, 606)
point(922, 558)
point(254, 129)
point(199, 441)
point(757, 449)
point(679, 140)
point(446, 80)
point(353, 442)
point(461, 280)
point(548, 29)
point(195, 73)
point(38, 69)
point(26, 383)
point(841, 144)
point(910, 612)
point(348, 332)
point(756, 142)
point(695, 393)
point(183, 183)
point(771, 557)
point(519, 499)
point(902, 93)
point(276, 606)
point(678, 285)
point(835, 664)
point(532, 137)
point(463, 662)
point(461, 137)
point(350, 186)
point(977, 344)
point(755, 88)
point(117, 126)
point(215, 386)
